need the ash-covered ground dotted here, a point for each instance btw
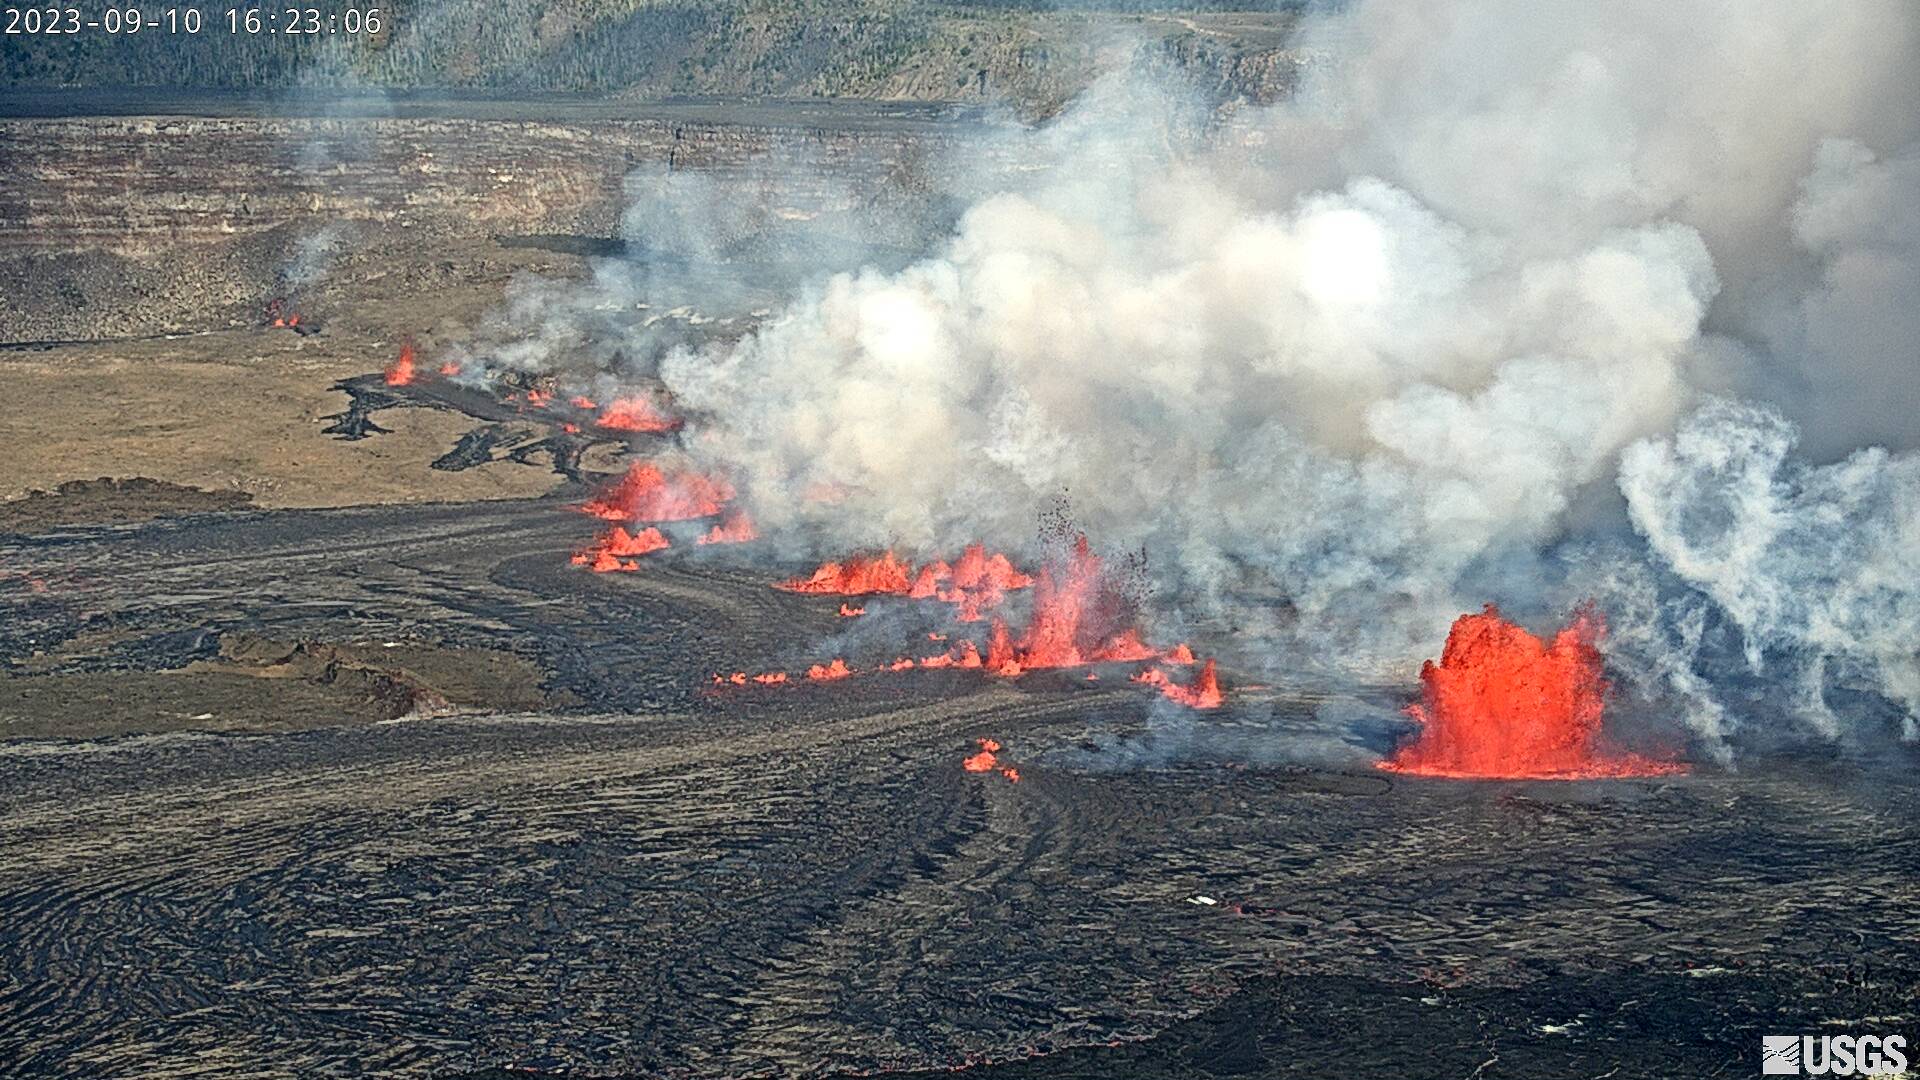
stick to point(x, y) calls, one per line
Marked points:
point(626, 871)
point(322, 758)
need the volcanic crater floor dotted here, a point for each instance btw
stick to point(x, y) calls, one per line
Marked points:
point(630, 872)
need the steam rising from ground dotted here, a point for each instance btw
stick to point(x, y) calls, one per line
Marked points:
point(1463, 322)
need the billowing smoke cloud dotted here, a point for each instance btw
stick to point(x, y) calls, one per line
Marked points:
point(1818, 568)
point(1455, 325)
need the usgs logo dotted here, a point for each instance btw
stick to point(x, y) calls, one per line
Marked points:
point(1832, 1055)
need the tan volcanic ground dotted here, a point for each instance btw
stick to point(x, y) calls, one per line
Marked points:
point(240, 410)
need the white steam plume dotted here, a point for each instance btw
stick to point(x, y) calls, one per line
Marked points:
point(1350, 365)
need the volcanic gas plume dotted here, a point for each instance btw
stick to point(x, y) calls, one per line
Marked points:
point(1522, 301)
point(1502, 703)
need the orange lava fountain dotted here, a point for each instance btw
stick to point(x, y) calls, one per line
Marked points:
point(400, 372)
point(646, 493)
point(1079, 617)
point(1502, 704)
point(612, 551)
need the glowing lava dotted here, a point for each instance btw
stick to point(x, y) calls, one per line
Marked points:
point(400, 372)
point(633, 414)
point(975, 582)
point(1080, 616)
point(613, 551)
point(964, 655)
point(857, 576)
point(281, 316)
point(988, 760)
point(1203, 694)
point(1503, 704)
point(646, 493)
point(735, 528)
point(837, 669)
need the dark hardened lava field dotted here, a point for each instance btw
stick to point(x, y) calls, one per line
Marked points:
point(399, 791)
point(663, 878)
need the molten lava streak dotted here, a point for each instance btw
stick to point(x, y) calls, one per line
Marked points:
point(1501, 703)
point(400, 372)
point(984, 761)
point(646, 493)
point(1082, 614)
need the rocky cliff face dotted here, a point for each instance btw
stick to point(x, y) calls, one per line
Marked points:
point(116, 226)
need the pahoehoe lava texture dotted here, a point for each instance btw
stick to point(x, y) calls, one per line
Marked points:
point(804, 881)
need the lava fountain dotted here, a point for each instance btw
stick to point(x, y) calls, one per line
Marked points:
point(1503, 704)
point(648, 493)
point(400, 372)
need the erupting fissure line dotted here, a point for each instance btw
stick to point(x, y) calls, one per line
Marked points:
point(1081, 616)
point(1503, 704)
point(974, 582)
